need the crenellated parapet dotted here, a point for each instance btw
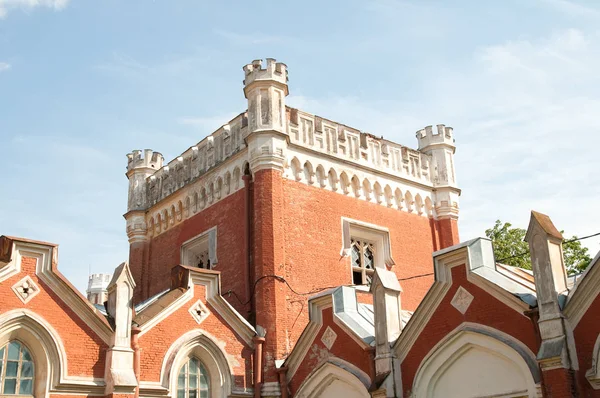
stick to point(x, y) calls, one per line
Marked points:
point(274, 72)
point(200, 159)
point(150, 160)
point(444, 136)
point(271, 135)
point(354, 146)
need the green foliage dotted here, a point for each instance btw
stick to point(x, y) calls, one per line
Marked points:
point(511, 249)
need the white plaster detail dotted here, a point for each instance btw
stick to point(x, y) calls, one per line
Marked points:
point(195, 196)
point(199, 311)
point(202, 248)
point(329, 337)
point(462, 300)
point(451, 369)
point(45, 344)
point(196, 343)
point(371, 185)
point(379, 236)
point(26, 289)
point(45, 256)
point(330, 380)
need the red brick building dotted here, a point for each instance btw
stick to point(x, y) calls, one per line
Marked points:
point(289, 255)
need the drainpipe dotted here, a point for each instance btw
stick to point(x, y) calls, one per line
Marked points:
point(247, 244)
point(135, 331)
point(258, 374)
point(283, 381)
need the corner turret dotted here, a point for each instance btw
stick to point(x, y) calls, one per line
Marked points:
point(97, 288)
point(138, 170)
point(266, 89)
point(440, 146)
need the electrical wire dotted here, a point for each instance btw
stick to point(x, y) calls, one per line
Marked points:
point(566, 241)
point(318, 290)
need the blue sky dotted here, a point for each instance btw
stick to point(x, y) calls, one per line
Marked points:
point(84, 82)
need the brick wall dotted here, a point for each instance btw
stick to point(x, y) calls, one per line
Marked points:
point(85, 350)
point(313, 242)
point(155, 343)
point(485, 309)
point(344, 348)
point(164, 250)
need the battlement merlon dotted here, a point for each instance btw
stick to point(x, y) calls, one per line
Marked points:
point(428, 140)
point(275, 73)
point(150, 160)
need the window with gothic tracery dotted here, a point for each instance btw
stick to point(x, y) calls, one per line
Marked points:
point(16, 370)
point(193, 380)
point(362, 257)
point(201, 251)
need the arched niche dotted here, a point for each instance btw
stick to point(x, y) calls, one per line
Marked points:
point(330, 380)
point(475, 363)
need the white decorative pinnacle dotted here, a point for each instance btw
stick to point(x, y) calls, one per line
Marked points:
point(329, 337)
point(199, 311)
point(26, 289)
point(462, 300)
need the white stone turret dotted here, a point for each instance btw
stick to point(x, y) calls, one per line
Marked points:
point(388, 325)
point(266, 89)
point(138, 170)
point(119, 376)
point(440, 146)
point(550, 276)
point(97, 288)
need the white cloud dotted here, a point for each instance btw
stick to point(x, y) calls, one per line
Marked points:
point(526, 126)
point(4, 66)
point(6, 5)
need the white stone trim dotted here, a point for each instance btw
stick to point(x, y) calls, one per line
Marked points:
point(210, 351)
point(199, 311)
point(343, 143)
point(13, 267)
point(197, 196)
point(365, 184)
point(211, 280)
point(327, 373)
point(593, 373)
point(462, 300)
point(26, 289)
point(167, 311)
point(583, 293)
point(45, 256)
point(209, 235)
point(328, 338)
point(443, 354)
point(316, 306)
point(49, 354)
point(376, 234)
point(444, 261)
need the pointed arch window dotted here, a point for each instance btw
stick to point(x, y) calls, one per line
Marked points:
point(193, 380)
point(16, 369)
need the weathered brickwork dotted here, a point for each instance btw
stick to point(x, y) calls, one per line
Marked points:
point(344, 349)
point(155, 343)
point(485, 309)
point(85, 350)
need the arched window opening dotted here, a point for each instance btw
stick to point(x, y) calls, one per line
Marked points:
point(16, 369)
point(193, 380)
